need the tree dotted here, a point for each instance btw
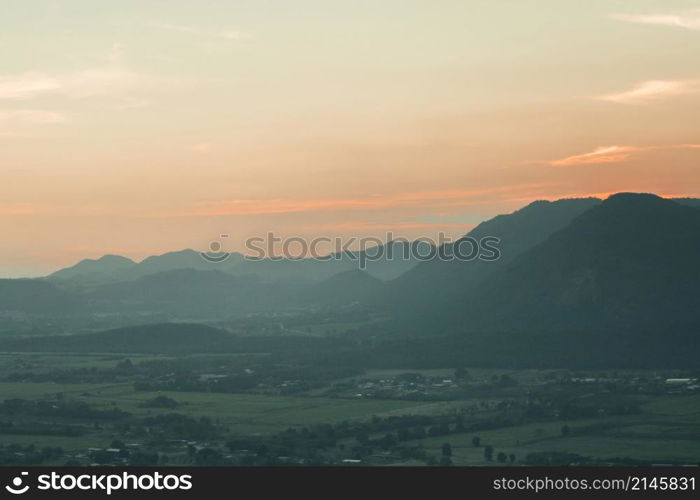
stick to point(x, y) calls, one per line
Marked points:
point(501, 457)
point(476, 441)
point(445, 462)
point(565, 430)
point(512, 458)
point(488, 452)
point(446, 450)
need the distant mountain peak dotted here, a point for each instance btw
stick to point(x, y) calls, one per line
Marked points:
point(626, 197)
point(105, 265)
point(185, 252)
point(111, 258)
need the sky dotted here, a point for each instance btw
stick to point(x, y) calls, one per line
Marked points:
point(141, 127)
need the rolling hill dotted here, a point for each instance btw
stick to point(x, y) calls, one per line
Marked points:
point(421, 296)
point(617, 286)
point(630, 262)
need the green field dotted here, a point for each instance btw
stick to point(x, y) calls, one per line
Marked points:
point(665, 427)
point(667, 430)
point(240, 413)
point(45, 362)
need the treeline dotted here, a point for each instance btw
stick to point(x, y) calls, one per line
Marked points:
point(58, 408)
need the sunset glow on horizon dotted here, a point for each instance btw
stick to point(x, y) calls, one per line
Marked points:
point(138, 128)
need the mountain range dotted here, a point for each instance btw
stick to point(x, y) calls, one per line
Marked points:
point(618, 275)
point(115, 268)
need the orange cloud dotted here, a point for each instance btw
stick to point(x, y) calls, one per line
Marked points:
point(612, 154)
point(367, 226)
point(603, 154)
point(20, 209)
point(279, 205)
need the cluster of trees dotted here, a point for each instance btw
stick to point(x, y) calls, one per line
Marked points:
point(501, 457)
point(160, 402)
point(90, 375)
point(179, 426)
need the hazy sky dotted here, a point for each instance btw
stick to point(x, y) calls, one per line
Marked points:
point(138, 127)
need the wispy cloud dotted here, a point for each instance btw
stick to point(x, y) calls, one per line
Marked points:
point(612, 154)
point(603, 154)
point(370, 226)
point(440, 198)
point(27, 85)
point(273, 206)
point(96, 82)
point(653, 90)
point(18, 209)
point(233, 35)
point(36, 116)
point(190, 30)
point(687, 19)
